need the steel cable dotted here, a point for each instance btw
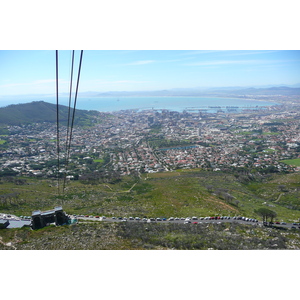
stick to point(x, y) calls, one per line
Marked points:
point(57, 123)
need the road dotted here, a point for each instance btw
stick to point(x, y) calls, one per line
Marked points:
point(183, 221)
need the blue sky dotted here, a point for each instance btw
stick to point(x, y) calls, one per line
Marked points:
point(33, 72)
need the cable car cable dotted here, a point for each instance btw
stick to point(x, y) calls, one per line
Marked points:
point(75, 100)
point(69, 136)
point(68, 124)
point(57, 123)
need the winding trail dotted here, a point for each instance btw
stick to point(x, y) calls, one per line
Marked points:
point(279, 197)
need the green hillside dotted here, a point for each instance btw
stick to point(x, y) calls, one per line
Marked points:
point(178, 194)
point(171, 194)
point(40, 111)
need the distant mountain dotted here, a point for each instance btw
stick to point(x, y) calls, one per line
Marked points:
point(283, 89)
point(278, 90)
point(40, 111)
point(275, 90)
point(216, 91)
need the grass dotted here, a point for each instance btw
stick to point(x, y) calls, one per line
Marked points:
point(245, 133)
point(170, 194)
point(98, 160)
point(292, 162)
point(281, 193)
point(270, 133)
point(178, 194)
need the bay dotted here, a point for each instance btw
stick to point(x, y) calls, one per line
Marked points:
point(111, 104)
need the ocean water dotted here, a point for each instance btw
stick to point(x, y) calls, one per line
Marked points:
point(110, 104)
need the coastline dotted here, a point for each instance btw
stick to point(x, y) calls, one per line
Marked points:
point(175, 103)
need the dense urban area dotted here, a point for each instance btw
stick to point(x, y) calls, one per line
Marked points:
point(133, 142)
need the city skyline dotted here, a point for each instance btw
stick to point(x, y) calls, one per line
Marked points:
point(33, 71)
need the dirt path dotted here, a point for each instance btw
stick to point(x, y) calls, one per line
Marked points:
point(279, 197)
point(222, 204)
point(117, 192)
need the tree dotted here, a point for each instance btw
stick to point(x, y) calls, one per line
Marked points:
point(282, 188)
point(210, 188)
point(228, 197)
point(272, 215)
point(266, 213)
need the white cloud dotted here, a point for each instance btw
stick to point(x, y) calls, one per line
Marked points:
point(197, 52)
point(245, 52)
point(219, 62)
point(141, 62)
point(236, 62)
point(115, 82)
point(44, 81)
point(32, 83)
point(35, 86)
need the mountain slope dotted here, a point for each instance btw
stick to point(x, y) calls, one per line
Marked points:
point(218, 91)
point(40, 111)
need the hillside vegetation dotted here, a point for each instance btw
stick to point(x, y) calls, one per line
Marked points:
point(40, 111)
point(178, 194)
point(139, 236)
point(169, 194)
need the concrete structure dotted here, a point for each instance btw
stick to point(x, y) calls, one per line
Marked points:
point(4, 224)
point(41, 219)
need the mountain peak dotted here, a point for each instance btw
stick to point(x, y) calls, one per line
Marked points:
point(36, 112)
